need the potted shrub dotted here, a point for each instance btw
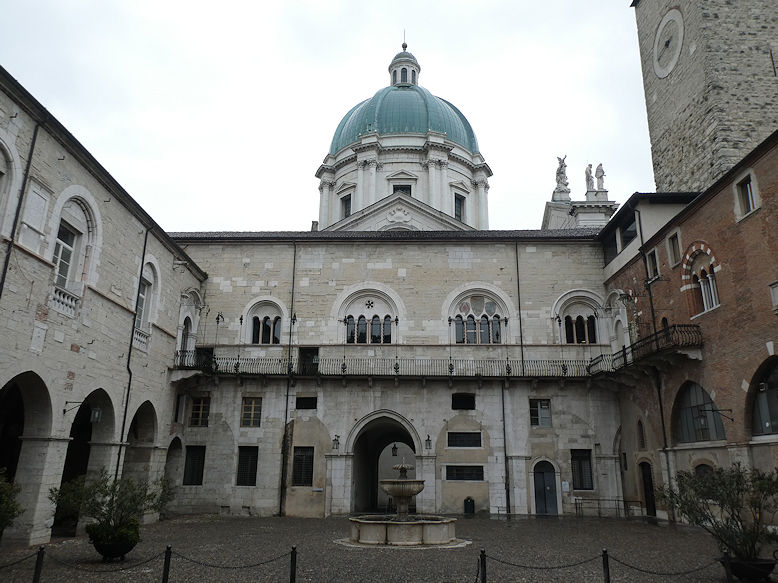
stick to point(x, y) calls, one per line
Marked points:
point(737, 506)
point(9, 508)
point(115, 508)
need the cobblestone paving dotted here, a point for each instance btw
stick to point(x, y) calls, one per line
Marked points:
point(199, 542)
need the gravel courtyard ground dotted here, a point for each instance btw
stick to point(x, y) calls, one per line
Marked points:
point(200, 542)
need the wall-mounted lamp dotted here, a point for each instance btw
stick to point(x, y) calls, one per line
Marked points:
point(294, 318)
point(336, 442)
point(394, 450)
point(428, 442)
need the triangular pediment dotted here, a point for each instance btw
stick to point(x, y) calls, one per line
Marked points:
point(402, 175)
point(346, 186)
point(399, 212)
point(460, 185)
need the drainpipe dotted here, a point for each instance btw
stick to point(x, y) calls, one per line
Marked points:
point(19, 205)
point(285, 441)
point(129, 358)
point(657, 374)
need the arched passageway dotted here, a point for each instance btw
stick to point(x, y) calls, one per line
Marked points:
point(140, 443)
point(371, 447)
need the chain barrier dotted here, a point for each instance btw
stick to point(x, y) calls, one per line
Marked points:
point(17, 561)
point(117, 570)
point(477, 572)
point(566, 566)
point(664, 573)
point(215, 566)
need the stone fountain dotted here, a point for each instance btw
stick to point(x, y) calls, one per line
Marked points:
point(402, 529)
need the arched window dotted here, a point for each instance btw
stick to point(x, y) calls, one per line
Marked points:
point(394, 76)
point(581, 329)
point(765, 413)
point(591, 329)
point(569, 331)
point(577, 310)
point(375, 330)
point(404, 75)
point(387, 330)
point(696, 417)
point(477, 321)
point(186, 330)
point(703, 469)
point(705, 292)
point(361, 330)
point(73, 246)
point(350, 329)
point(146, 292)
point(265, 318)
point(413, 76)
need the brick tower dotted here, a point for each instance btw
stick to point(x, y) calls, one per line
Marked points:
point(710, 78)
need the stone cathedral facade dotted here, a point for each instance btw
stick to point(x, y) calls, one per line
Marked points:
point(547, 371)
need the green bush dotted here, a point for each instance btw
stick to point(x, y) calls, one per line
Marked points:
point(735, 505)
point(9, 508)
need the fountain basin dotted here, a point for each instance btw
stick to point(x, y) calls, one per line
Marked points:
point(415, 530)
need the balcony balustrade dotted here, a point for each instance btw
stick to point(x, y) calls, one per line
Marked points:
point(673, 337)
point(205, 361)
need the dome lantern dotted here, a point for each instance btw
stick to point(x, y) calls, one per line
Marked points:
point(404, 68)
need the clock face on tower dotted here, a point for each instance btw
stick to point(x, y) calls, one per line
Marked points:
point(668, 43)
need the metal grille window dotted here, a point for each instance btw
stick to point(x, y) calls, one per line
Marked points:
point(464, 439)
point(302, 466)
point(247, 466)
point(201, 407)
point(581, 461)
point(306, 403)
point(463, 401)
point(540, 412)
point(194, 465)
point(465, 473)
point(251, 412)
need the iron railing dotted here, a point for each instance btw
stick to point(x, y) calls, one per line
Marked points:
point(204, 360)
point(612, 507)
point(672, 337)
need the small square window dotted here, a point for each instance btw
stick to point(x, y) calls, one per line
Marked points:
point(306, 403)
point(345, 206)
point(404, 188)
point(465, 473)
point(201, 407)
point(652, 264)
point(540, 412)
point(251, 412)
point(674, 249)
point(463, 401)
point(745, 192)
point(464, 439)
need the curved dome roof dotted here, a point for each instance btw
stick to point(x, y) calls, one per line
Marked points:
point(400, 109)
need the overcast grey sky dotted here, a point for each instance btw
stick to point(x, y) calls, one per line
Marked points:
point(215, 116)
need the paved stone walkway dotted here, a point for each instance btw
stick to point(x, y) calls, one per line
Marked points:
point(201, 541)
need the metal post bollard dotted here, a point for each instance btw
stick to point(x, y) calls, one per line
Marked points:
point(166, 566)
point(606, 569)
point(36, 577)
point(483, 566)
point(293, 565)
point(728, 566)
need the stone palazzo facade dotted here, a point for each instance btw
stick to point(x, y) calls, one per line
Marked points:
point(565, 370)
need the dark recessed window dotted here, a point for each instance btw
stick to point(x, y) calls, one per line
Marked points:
point(463, 401)
point(194, 465)
point(674, 247)
point(345, 206)
point(404, 188)
point(459, 207)
point(302, 466)
point(465, 473)
point(746, 196)
point(629, 232)
point(581, 461)
point(306, 403)
point(464, 439)
point(247, 466)
point(652, 264)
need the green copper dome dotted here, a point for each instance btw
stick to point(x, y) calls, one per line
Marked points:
point(404, 108)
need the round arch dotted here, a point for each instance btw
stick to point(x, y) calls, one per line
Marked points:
point(759, 418)
point(360, 425)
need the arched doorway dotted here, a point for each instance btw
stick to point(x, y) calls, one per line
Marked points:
point(11, 428)
point(647, 480)
point(376, 438)
point(140, 443)
point(545, 489)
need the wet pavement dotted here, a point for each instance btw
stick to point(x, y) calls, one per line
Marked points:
point(246, 549)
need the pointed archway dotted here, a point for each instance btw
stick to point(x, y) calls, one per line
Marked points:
point(375, 437)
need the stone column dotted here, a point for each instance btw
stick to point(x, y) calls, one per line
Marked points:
point(482, 187)
point(326, 188)
point(443, 193)
point(102, 455)
point(357, 203)
point(41, 461)
point(432, 181)
point(371, 195)
point(426, 500)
